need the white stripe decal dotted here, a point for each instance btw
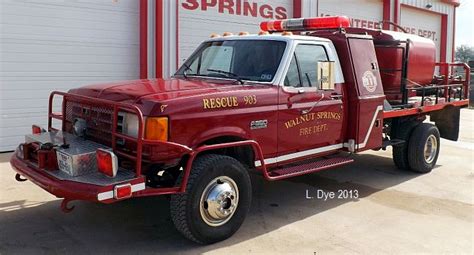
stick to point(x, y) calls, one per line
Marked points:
point(110, 194)
point(362, 145)
point(299, 154)
point(105, 195)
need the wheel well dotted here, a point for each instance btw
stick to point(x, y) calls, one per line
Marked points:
point(245, 154)
point(402, 127)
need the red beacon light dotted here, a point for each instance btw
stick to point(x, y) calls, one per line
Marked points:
point(305, 24)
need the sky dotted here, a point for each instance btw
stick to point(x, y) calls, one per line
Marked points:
point(465, 23)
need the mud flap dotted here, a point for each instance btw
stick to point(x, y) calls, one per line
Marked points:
point(447, 121)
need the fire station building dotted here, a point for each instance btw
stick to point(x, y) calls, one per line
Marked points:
point(50, 45)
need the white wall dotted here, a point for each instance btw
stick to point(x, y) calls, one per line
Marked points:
point(423, 24)
point(423, 18)
point(50, 45)
point(363, 13)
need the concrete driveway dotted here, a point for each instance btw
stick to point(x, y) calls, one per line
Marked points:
point(396, 212)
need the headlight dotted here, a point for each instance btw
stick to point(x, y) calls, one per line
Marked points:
point(128, 124)
point(156, 128)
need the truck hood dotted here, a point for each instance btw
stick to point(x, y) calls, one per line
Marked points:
point(159, 89)
point(150, 95)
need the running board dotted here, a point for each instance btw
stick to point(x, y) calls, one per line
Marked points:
point(311, 167)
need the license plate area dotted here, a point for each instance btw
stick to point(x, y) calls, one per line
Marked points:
point(64, 162)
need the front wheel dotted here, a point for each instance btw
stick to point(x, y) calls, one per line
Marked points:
point(217, 199)
point(423, 148)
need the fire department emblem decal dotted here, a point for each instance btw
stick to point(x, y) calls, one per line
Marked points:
point(369, 81)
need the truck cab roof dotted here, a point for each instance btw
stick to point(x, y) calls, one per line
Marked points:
point(270, 37)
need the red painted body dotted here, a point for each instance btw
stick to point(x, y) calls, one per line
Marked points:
point(357, 117)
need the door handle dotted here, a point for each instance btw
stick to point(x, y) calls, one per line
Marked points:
point(336, 97)
point(312, 107)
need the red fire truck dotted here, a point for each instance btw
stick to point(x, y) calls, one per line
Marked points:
point(300, 97)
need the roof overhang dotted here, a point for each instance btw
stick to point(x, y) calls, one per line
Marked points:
point(456, 3)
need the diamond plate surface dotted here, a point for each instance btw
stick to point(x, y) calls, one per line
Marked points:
point(81, 153)
point(96, 178)
point(311, 167)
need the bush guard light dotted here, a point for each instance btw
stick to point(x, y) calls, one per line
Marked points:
point(107, 162)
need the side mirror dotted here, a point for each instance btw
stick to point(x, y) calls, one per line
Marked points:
point(326, 75)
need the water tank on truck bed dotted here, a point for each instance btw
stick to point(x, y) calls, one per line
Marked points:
point(398, 53)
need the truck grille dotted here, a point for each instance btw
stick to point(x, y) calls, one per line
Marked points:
point(99, 120)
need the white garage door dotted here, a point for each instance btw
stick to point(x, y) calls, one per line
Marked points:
point(363, 13)
point(198, 20)
point(56, 45)
point(422, 23)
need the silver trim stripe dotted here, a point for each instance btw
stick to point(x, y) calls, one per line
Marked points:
point(110, 194)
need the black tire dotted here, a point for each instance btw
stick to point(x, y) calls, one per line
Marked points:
point(400, 156)
point(416, 148)
point(400, 152)
point(185, 208)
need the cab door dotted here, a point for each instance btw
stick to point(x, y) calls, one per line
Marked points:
point(310, 117)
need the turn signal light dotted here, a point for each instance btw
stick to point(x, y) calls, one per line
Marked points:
point(157, 129)
point(107, 162)
point(123, 191)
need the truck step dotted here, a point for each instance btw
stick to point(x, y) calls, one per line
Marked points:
point(310, 167)
point(392, 142)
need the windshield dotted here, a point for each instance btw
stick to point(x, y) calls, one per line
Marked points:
point(252, 60)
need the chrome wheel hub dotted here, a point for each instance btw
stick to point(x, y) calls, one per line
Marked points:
point(219, 201)
point(431, 148)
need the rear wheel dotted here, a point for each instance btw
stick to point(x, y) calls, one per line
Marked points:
point(216, 201)
point(400, 156)
point(423, 148)
point(400, 152)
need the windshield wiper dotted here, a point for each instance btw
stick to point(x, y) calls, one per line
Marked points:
point(229, 75)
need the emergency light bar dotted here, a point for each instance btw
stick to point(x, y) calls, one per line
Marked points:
point(305, 24)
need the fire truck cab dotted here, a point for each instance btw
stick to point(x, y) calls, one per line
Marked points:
point(300, 97)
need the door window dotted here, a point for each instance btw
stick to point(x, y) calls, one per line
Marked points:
point(305, 62)
point(293, 76)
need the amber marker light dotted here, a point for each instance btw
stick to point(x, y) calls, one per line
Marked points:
point(156, 128)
